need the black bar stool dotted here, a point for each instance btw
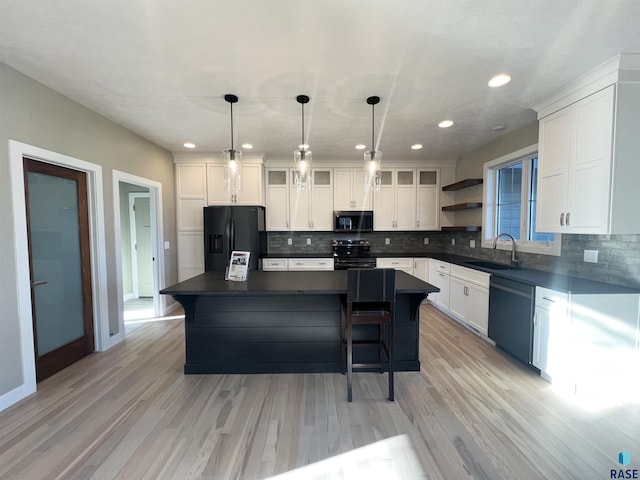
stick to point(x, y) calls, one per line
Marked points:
point(371, 299)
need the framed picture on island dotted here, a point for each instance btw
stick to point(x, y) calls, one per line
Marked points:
point(238, 266)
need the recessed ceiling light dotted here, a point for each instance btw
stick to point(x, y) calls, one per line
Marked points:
point(303, 146)
point(360, 147)
point(417, 146)
point(445, 123)
point(248, 146)
point(497, 128)
point(189, 145)
point(499, 80)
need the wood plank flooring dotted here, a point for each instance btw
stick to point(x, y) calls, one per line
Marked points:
point(471, 413)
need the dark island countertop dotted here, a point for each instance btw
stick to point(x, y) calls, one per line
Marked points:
point(285, 283)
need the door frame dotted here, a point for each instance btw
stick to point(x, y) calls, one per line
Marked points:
point(157, 242)
point(134, 240)
point(102, 340)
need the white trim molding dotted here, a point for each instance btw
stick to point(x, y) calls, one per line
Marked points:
point(489, 208)
point(17, 151)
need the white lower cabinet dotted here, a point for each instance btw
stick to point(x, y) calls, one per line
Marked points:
point(439, 277)
point(421, 269)
point(469, 297)
point(464, 293)
point(297, 264)
point(308, 264)
point(275, 264)
point(404, 264)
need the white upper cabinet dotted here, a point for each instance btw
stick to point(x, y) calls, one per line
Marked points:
point(428, 199)
point(348, 190)
point(277, 197)
point(312, 210)
point(252, 192)
point(588, 144)
point(395, 204)
point(575, 166)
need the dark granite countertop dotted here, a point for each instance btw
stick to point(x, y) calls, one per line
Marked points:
point(285, 283)
point(539, 278)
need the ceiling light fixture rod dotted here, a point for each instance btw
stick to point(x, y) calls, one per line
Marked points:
point(302, 99)
point(373, 101)
point(231, 99)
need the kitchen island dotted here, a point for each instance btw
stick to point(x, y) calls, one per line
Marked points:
point(284, 322)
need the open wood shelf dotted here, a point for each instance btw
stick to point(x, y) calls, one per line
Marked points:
point(470, 182)
point(461, 206)
point(467, 228)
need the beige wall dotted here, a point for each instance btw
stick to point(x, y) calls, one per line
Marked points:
point(471, 165)
point(36, 115)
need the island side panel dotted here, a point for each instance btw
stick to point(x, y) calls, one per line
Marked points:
point(283, 334)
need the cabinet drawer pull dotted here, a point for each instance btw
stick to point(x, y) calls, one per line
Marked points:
point(549, 299)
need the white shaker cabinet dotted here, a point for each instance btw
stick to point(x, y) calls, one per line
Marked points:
point(439, 277)
point(575, 166)
point(588, 152)
point(404, 264)
point(395, 204)
point(312, 210)
point(469, 297)
point(277, 197)
point(421, 269)
point(428, 199)
point(252, 192)
point(348, 190)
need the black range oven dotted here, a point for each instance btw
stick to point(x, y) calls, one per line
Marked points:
point(352, 254)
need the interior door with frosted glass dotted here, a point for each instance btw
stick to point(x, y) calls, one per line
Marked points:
point(60, 265)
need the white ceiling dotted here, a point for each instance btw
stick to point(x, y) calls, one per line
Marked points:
point(162, 67)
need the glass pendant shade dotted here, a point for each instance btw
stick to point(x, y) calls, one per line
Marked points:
point(372, 158)
point(302, 156)
point(372, 165)
point(233, 170)
point(302, 172)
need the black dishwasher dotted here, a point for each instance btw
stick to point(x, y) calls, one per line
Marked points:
point(511, 309)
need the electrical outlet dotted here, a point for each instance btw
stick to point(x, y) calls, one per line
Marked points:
point(308, 241)
point(472, 243)
point(387, 241)
point(425, 240)
point(453, 241)
point(289, 241)
point(591, 256)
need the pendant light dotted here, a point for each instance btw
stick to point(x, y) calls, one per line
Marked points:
point(233, 172)
point(302, 156)
point(373, 157)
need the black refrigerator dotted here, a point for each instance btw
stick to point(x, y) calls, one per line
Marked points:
point(229, 228)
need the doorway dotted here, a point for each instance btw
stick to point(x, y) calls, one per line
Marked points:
point(137, 229)
point(60, 265)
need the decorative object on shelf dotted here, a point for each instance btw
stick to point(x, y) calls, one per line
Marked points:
point(373, 157)
point(302, 156)
point(233, 172)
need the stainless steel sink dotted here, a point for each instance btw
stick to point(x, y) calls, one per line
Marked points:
point(490, 265)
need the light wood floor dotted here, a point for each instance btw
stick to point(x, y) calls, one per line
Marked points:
point(470, 413)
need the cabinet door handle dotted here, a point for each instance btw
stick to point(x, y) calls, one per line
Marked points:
point(535, 319)
point(562, 219)
point(417, 223)
point(568, 213)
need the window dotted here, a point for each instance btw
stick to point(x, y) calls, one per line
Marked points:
point(510, 203)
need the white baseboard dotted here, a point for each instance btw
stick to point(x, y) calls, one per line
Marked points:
point(129, 296)
point(15, 395)
point(170, 308)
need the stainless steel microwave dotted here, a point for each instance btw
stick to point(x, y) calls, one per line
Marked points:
point(353, 221)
